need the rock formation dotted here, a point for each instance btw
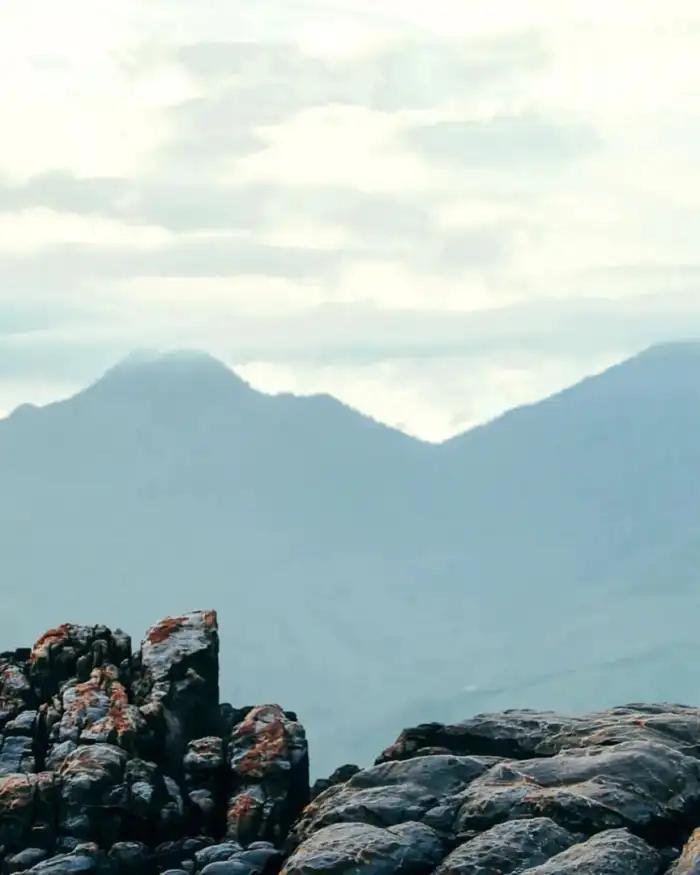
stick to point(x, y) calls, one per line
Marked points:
point(118, 762)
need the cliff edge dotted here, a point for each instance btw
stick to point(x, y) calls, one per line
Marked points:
point(119, 761)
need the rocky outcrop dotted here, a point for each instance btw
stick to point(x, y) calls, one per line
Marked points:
point(118, 761)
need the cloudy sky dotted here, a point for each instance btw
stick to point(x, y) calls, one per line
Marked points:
point(435, 210)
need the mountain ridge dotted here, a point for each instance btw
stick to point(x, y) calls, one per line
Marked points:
point(382, 569)
point(200, 364)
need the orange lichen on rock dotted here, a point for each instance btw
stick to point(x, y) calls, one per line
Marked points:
point(269, 742)
point(105, 694)
point(12, 783)
point(16, 791)
point(163, 630)
point(53, 636)
point(243, 806)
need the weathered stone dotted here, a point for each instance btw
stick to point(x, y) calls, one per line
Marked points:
point(178, 853)
point(613, 852)
point(16, 694)
point(25, 859)
point(522, 734)
point(71, 651)
point(216, 854)
point(391, 793)
point(269, 762)
point(84, 860)
point(28, 806)
point(409, 848)
point(16, 755)
point(509, 848)
point(98, 710)
point(94, 793)
point(131, 858)
point(339, 776)
point(645, 786)
point(689, 861)
point(176, 682)
point(205, 780)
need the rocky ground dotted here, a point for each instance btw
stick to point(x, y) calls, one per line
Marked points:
point(113, 761)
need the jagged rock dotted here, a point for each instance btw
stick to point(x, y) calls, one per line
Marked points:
point(19, 718)
point(176, 682)
point(409, 848)
point(73, 651)
point(16, 694)
point(98, 710)
point(269, 762)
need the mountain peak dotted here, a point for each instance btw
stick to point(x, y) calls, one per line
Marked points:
point(184, 360)
point(148, 373)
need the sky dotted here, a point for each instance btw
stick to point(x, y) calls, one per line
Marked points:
point(434, 210)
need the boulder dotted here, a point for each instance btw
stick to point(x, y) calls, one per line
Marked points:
point(391, 793)
point(509, 848)
point(647, 787)
point(408, 848)
point(613, 852)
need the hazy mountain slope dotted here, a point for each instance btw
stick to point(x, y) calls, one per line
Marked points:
point(361, 574)
point(171, 484)
point(593, 498)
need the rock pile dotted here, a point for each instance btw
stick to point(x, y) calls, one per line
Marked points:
point(113, 761)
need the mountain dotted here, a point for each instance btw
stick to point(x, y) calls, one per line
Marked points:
point(546, 559)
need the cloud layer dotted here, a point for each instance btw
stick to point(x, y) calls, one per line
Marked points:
point(433, 215)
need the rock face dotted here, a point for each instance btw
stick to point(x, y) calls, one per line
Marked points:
point(113, 761)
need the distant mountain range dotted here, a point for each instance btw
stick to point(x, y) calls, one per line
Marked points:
point(548, 559)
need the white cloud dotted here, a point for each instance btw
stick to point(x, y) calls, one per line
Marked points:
point(29, 231)
point(328, 144)
point(555, 169)
point(391, 287)
point(66, 102)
